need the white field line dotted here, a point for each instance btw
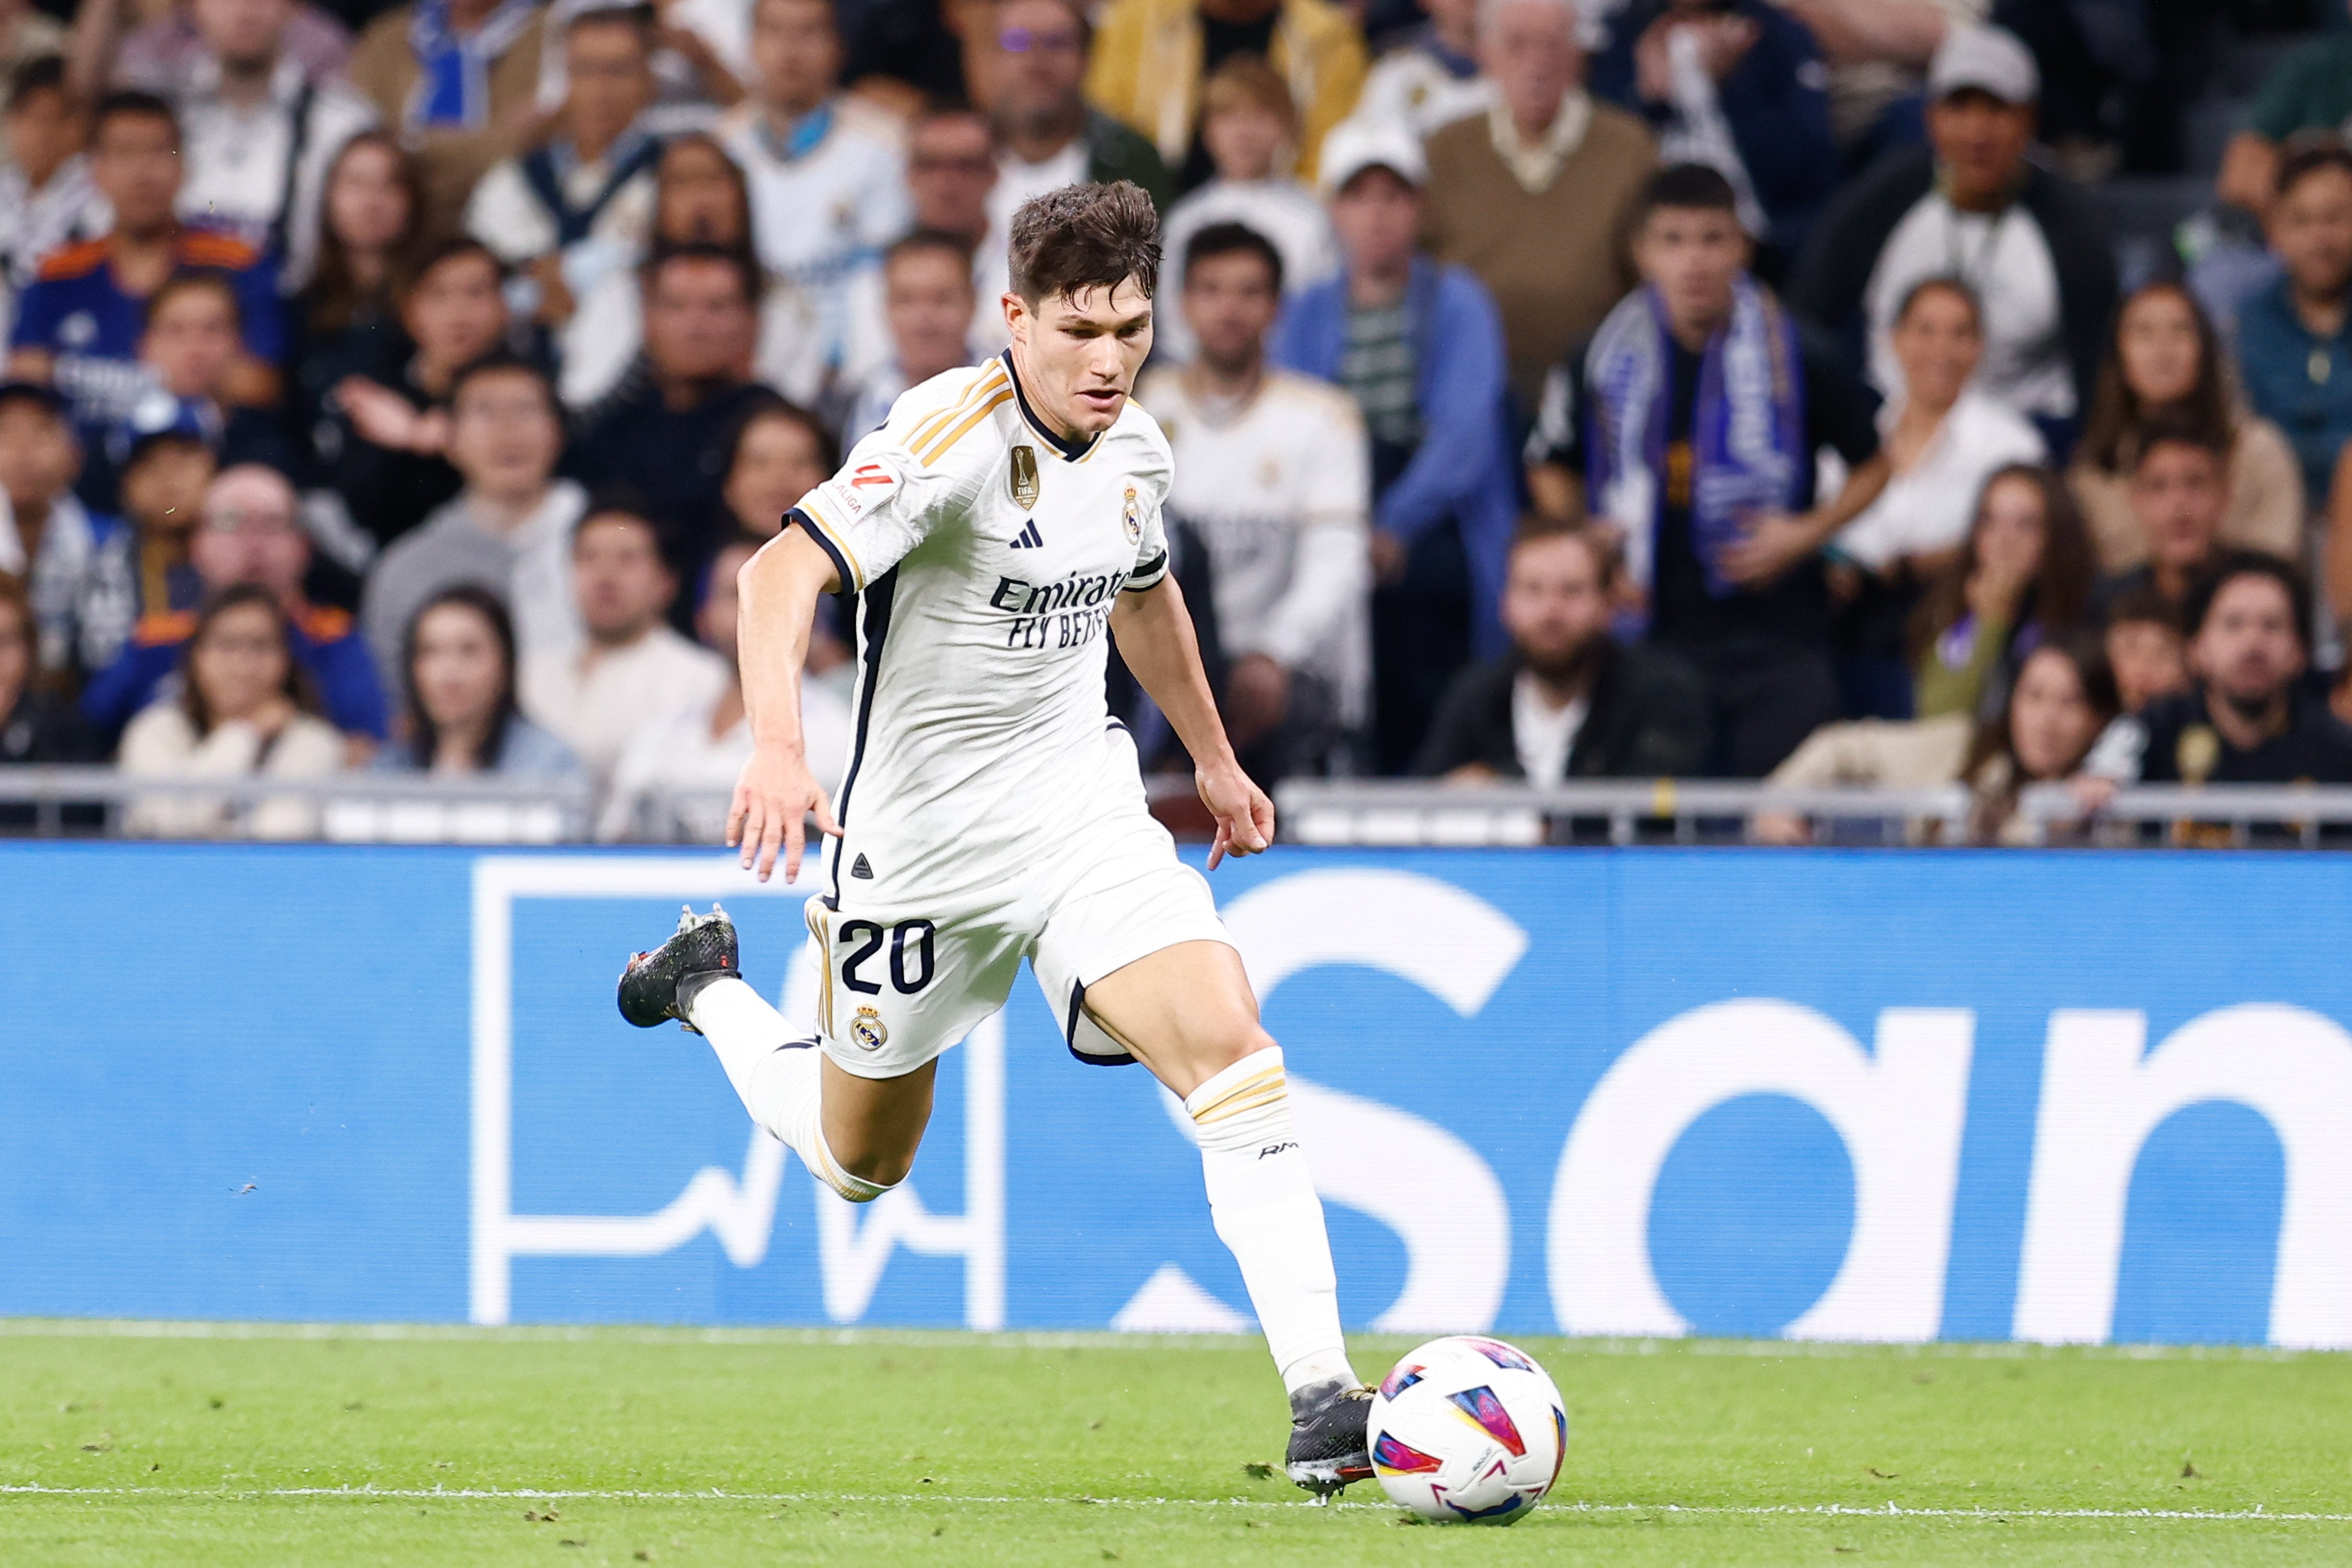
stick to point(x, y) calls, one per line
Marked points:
point(583, 1494)
point(954, 1339)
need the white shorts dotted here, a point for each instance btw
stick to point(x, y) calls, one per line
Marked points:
point(901, 979)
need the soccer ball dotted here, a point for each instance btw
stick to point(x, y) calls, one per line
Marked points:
point(1468, 1429)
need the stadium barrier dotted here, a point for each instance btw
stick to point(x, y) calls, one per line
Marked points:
point(1852, 1094)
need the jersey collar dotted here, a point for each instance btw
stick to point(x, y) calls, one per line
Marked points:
point(1071, 451)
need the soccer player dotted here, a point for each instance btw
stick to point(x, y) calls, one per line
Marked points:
point(1004, 521)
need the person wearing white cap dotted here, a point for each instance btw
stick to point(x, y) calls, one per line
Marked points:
point(1418, 345)
point(2034, 248)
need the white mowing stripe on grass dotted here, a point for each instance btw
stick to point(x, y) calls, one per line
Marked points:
point(582, 1494)
point(957, 1339)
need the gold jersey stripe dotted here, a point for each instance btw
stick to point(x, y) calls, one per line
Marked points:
point(1228, 1109)
point(840, 543)
point(933, 424)
point(1270, 1078)
point(943, 446)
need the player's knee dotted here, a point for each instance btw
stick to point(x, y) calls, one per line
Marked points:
point(1236, 1042)
point(882, 1169)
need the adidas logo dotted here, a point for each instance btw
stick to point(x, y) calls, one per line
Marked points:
point(1029, 538)
point(859, 867)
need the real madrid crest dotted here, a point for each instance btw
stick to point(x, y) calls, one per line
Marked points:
point(868, 1030)
point(1132, 515)
point(1023, 480)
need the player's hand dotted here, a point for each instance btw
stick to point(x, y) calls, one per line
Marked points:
point(1244, 816)
point(773, 795)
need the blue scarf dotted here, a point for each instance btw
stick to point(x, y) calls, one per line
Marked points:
point(453, 74)
point(1748, 438)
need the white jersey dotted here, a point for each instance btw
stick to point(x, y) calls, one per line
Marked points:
point(987, 555)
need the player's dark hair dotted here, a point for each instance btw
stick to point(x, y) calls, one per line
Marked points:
point(936, 241)
point(131, 104)
point(195, 281)
point(43, 73)
point(423, 741)
point(2234, 564)
point(738, 261)
point(2181, 427)
point(1085, 237)
point(506, 361)
point(298, 689)
point(1234, 239)
point(2310, 158)
point(1687, 187)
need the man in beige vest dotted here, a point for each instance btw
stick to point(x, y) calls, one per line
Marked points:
point(1534, 195)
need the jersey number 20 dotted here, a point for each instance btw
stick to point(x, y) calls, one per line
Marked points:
point(910, 955)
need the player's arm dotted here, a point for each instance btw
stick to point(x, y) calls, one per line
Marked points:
point(1155, 638)
point(775, 790)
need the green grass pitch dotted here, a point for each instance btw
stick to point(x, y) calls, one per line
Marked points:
point(134, 1444)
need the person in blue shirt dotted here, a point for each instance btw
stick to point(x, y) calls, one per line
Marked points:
point(248, 534)
point(2294, 343)
point(79, 322)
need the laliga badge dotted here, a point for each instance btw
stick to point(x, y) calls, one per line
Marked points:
point(1132, 517)
point(868, 1030)
point(1023, 480)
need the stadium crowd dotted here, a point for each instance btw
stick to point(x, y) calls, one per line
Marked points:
point(1559, 388)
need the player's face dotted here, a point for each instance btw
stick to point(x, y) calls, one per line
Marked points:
point(1078, 354)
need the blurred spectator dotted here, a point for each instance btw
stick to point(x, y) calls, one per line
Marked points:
point(1151, 58)
point(243, 711)
point(950, 169)
point(72, 560)
point(674, 781)
point(1538, 195)
point(1739, 85)
point(828, 185)
point(2336, 551)
point(458, 709)
point(662, 430)
point(2164, 359)
point(2248, 718)
point(1943, 439)
point(1249, 126)
point(1696, 416)
point(249, 534)
point(2180, 487)
point(579, 207)
point(1878, 53)
point(189, 352)
point(778, 452)
point(699, 198)
point(78, 326)
point(1272, 474)
point(27, 37)
point(1418, 346)
point(1431, 77)
point(928, 301)
point(2023, 578)
point(2308, 92)
point(2064, 699)
point(378, 444)
point(36, 725)
point(2033, 248)
point(460, 78)
point(508, 529)
point(143, 568)
point(47, 198)
point(2146, 649)
point(1047, 135)
point(2295, 351)
point(1568, 702)
point(160, 54)
point(697, 55)
point(1865, 754)
point(632, 669)
point(258, 131)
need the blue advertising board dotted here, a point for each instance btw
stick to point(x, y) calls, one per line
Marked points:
point(1840, 1095)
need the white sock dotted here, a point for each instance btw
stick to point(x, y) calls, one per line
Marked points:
point(777, 1074)
point(1266, 1213)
